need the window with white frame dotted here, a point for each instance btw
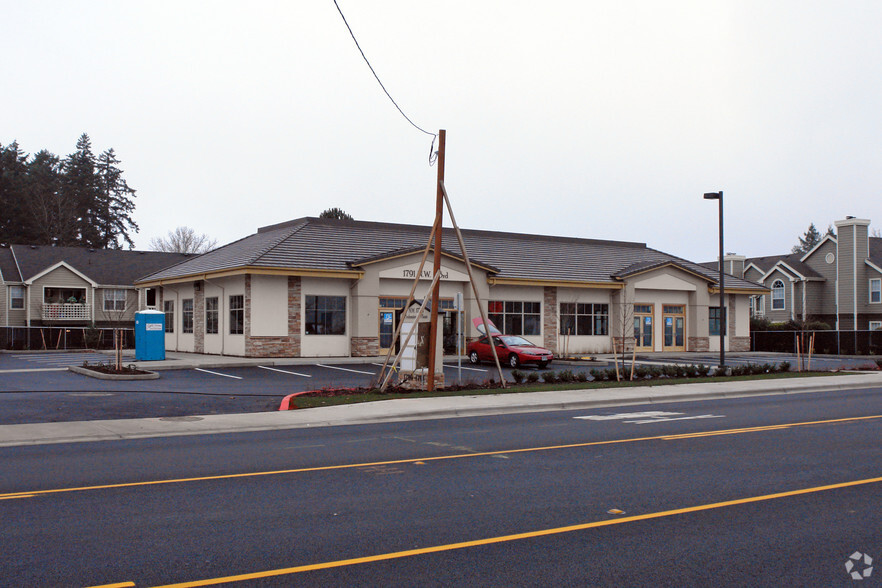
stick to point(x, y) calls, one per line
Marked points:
point(169, 307)
point(875, 291)
point(756, 305)
point(16, 297)
point(875, 325)
point(778, 295)
point(114, 300)
point(211, 316)
point(237, 314)
point(187, 315)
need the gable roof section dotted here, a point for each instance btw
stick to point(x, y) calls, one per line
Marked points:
point(411, 250)
point(818, 246)
point(333, 245)
point(51, 269)
point(101, 266)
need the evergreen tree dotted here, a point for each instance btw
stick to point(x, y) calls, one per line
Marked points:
point(80, 191)
point(335, 213)
point(13, 182)
point(810, 239)
point(115, 204)
point(50, 221)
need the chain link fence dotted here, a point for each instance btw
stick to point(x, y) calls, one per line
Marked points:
point(37, 338)
point(825, 342)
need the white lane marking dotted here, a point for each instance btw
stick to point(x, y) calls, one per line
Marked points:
point(628, 415)
point(644, 418)
point(686, 418)
point(330, 367)
point(22, 371)
point(217, 373)
point(447, 365)
point(283, 371)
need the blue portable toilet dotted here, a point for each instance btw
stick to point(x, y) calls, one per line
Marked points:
point(149, 335)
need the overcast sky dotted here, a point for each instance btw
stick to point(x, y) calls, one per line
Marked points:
point(593, 119)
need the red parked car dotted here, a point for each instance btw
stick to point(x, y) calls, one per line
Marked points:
point(511, 350)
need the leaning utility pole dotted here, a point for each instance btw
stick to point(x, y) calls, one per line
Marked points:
point(436, 265)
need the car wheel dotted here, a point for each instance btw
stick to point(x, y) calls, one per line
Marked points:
point(514, 361)
point(473, 357)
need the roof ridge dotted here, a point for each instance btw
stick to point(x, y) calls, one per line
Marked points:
point(272, 245)
point(465, 231)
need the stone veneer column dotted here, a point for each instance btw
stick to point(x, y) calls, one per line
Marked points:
point(549, 318)
point(287, 346)
point(199, 318)
point(735, 343)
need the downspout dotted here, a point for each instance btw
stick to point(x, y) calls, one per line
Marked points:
point(220, 322)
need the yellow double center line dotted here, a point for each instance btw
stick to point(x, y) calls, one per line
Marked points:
point(35, 493)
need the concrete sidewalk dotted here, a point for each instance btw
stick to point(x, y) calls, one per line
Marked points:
point(420, 408)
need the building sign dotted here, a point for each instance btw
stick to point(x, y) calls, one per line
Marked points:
point(153, 327)
point(409, 272)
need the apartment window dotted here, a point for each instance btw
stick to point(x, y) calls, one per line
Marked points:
point(187, 315)
point(875, 325)
point(168, 306)
point(875, 290)
point(114, 300)
point(211, 315)
point(237, 314)
point(584, 319)
point(778, 295)
point(756, 305)
point(516, 318)
point(16, 297)
point(325, 315)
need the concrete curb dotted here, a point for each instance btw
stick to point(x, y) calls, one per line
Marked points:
point(413, 409)
point(98, 375)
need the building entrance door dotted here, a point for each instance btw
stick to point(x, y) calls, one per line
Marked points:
point(643, 327)
point(388, 316)
point(674, 317)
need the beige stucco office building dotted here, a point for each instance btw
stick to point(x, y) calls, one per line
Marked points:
point(325, 287)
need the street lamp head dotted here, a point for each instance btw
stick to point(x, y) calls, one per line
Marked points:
point(713, 195)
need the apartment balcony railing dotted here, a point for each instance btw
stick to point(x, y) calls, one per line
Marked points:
point(66, 311)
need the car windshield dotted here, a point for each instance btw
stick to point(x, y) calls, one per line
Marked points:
point(512, 341)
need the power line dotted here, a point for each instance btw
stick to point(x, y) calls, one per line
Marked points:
point(416, 126)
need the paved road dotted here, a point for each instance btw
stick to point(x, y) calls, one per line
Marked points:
point(507, 500)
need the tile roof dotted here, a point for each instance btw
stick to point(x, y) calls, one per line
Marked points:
point(112, 267)
point(332, 244)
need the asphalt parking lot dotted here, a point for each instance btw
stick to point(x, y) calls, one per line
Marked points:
point(37, 387)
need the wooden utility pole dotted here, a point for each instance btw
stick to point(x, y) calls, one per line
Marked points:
point(436, 265)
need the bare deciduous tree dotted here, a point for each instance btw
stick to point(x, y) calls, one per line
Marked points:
point(183, 240)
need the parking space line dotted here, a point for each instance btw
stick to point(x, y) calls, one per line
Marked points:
point(451, 366)
point(217, 373)
point(330, 367)
point(263, 367)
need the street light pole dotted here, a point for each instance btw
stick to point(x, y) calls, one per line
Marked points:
point(723, 318)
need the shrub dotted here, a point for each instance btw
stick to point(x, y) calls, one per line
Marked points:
point(566, 376)
point(549, 377)
point(641, 372)
point(703, 370)
point(518, 376)
point(595, 374)
point(784, 366)
point(768, 368)
point(720, 371)
point(532, 377)
point(581, 377)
